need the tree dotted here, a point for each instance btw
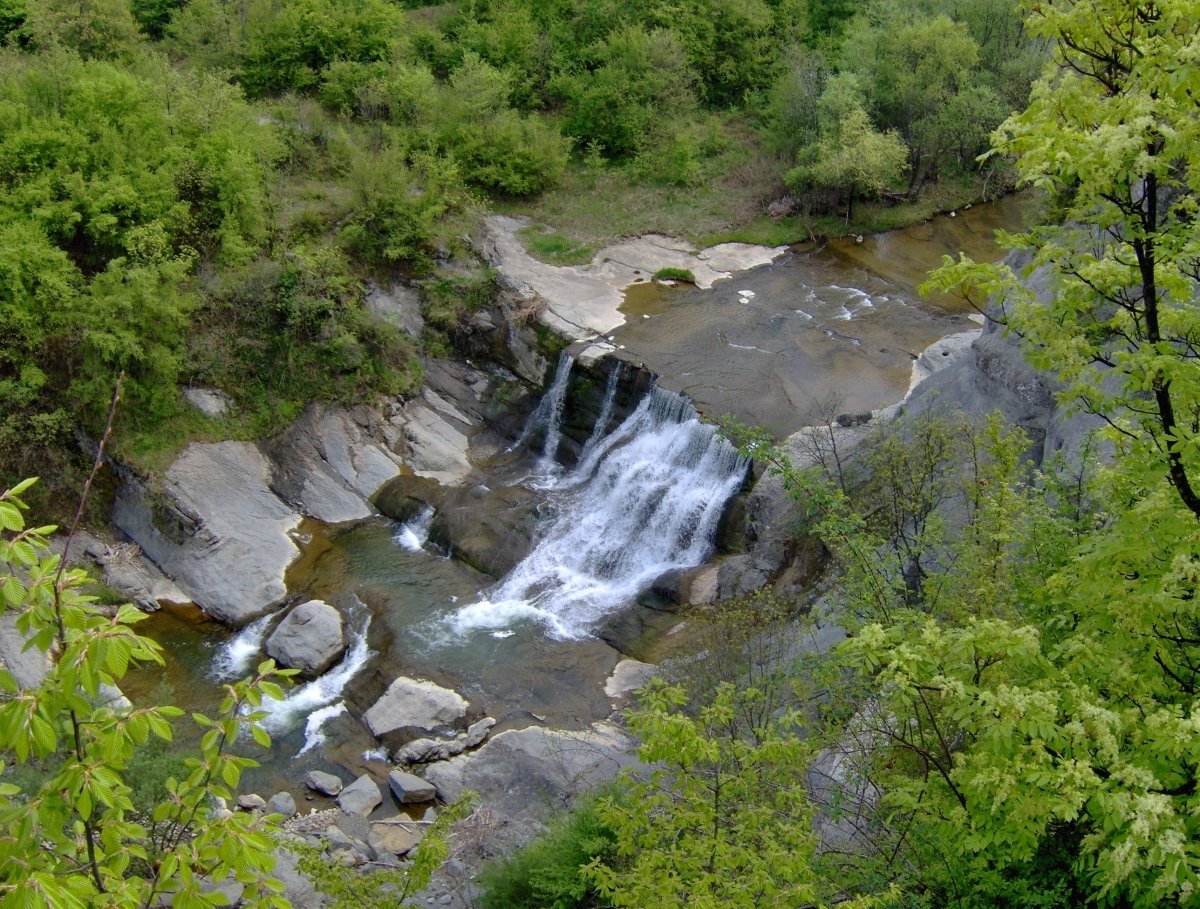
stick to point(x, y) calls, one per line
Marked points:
point(722, 820)
point(912, 68)
point(75, 838)
point(854, 159)
point(1110, 133)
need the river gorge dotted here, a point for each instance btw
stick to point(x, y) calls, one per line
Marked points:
point(520, 575)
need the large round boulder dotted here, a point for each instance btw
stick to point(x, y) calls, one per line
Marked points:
point(309, 638)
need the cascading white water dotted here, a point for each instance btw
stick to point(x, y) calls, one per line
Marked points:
point(308, 698)
point(601, 428)
point(412, 534)
point(646, 499)
point(548, 413)
point(237, 654)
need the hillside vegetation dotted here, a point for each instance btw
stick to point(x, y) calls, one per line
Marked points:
point(196, 193)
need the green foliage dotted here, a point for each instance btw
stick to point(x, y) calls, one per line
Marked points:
point(289, 49)
point(722, 820)
point(548, 873)
point(117, 178)
point(76, 836)
point(852, 159)
point(675, 274)
point(283, 334)
point(398, 206)
point(447, 301)
point(631, 84)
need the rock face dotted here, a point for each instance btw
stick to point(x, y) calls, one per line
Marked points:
point(523, 773)
point(397, 304)
point(627, 677)
point(127, 570)
point(361, 797)
point(438, 439)
point(28, 667)
point(330, 462)
point(309, 638)
point(216, 528)
point(416, 705)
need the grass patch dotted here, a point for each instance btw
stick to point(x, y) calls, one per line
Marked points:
point(546, 873)
point(675, 274)
point(554, 248)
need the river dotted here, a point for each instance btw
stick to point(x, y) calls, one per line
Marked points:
point(840, 318)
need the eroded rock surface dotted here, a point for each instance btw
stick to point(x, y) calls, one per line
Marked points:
point(583, 301)
point(217, 528)
point(524, 773)
point(331, 461)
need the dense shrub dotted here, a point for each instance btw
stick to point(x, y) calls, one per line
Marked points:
point(546, 873)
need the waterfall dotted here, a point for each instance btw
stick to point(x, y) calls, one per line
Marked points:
point(413, 533)
point(238, 654)
point(601, 427)
point(309, 697)
point(548, 413)
point(646, 500)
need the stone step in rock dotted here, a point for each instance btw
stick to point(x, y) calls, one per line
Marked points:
point(410, 789)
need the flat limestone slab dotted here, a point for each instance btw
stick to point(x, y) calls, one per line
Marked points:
point(217, 528)
point(584, 301)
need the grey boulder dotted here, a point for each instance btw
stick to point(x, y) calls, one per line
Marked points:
point(322, 782)
point(412, 704)
point(361, 797)
point(410, 789)
point(309, 638)
point(281, 803)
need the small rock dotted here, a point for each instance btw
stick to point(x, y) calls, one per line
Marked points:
point(430, 815)
point(361, 797)
point(478, 731)
point(410, 789)
point(392, 838)
point(282, 803)
point(338, 838)
point(209, 401)
point(322, 782)
point(251, 802)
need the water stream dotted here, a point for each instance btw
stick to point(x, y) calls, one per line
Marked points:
point(644, 497)
point(643, 501)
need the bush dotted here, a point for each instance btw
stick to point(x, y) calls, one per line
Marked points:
point(633, 83)
point(547, 873)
